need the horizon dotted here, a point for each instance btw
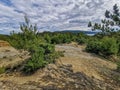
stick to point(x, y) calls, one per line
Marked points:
point(87, 32)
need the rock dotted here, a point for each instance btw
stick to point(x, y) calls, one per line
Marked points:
point(59, 78)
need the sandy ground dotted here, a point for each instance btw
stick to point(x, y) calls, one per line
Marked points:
point(9, 56)
point(82, 61)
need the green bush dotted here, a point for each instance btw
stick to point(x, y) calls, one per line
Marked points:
point(35, 62)
point(94, 47)
point(4, 37)
point(81, 41)
point(49, 48)
point(109, 46)
point(41, 52)
point(106, 46)
point(42, 56)
point(50, 58)
point(56, 40)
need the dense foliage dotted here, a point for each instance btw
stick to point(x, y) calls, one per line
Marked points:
point(106, 46)
point(64, 37)
point(42, 52)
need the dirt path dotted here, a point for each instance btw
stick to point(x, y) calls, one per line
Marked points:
point(84, 62)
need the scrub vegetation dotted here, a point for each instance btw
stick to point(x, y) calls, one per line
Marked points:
point(41, 46)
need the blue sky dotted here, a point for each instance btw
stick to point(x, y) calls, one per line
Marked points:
point(52, 15)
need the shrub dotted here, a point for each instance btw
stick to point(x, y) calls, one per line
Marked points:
point(81, 41)
point(49, 48)
point(2, 70)
point(29, 40)
point(106, 47)
point(50, 58)
point(35, 62)
point(94, 47)
point(56, 40)
point(109, 46)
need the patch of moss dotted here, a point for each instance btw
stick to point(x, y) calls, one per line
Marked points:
point(2, 70)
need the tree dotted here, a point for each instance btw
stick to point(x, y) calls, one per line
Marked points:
point(107, 14)
point(116, 10)
point(29, 31)
point(107, 25)
point(89, 24)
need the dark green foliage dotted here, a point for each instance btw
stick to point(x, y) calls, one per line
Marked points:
point(2, 70)
point(107, 14)
point(62, 37)
point(47, 38)
point(48, 48)
point(109, 46)
point(105, 47)
point(50, 58)
point(116, 10)
point(68, 37)
point(59, 38)
point(56, 40)
point(81, 41)
point(94, 47)
point(4, 37)
point(35, 62)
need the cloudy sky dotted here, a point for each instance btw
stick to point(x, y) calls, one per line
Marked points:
point(52, 15)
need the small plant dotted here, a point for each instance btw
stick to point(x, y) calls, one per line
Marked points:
point(2, 70)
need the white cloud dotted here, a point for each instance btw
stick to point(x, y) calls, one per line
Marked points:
point(53, 14)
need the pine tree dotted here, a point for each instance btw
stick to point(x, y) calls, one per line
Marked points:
point(89, 24)
point(116, 10)
point(112, 19)
point(107, 14)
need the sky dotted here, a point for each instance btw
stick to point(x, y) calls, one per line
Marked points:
point(52, 15)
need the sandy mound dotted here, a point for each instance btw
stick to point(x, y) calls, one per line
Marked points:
point(10, 57)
